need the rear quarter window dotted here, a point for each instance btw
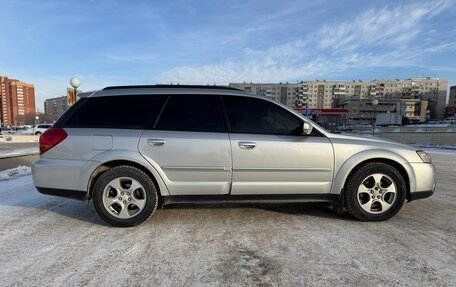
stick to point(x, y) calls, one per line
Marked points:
point(117, 112)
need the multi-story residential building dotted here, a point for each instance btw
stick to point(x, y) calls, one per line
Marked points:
point(54, 108)
point(17, 101)
point(364, 112)
point(414, 110)
point(327, 94)
point(284, 93)
point(451, 108)
point(452, 99)
point(432, 90)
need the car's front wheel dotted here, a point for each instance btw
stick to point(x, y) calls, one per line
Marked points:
point(375, 192)
point(125, 196)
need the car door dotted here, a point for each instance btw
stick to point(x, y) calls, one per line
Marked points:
point(189, 145)
point(270, 154)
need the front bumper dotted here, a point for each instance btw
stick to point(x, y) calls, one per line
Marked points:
point(424, 180)
point(420, 195)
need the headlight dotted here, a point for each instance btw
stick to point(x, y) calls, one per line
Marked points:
point(424, 156)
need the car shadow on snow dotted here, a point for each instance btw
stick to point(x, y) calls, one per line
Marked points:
point(74, 209)
point(84, 211)
point(323, 210)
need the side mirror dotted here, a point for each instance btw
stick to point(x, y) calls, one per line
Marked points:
point(306, 128)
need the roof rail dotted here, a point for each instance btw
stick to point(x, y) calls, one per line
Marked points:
point(171, 87)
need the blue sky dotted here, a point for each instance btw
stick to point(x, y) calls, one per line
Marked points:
point(146, 42)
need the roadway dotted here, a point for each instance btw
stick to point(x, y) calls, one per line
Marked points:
point(52, 241)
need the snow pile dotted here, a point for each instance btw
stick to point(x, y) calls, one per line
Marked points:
point(19, 152)
point(437, 146)
point(15, 172)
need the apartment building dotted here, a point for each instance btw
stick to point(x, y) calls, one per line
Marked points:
point(451, 108)
point(327, 94)
point(362, 111)
point(17, 102)
point(414, 110)
point(452, 99)
point(54, 108)
point(432, 90)
point(284, 93)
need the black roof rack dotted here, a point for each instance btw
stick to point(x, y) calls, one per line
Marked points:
point(171, 87)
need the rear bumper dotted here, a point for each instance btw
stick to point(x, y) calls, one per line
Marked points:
point(58, 174)
point(74, 194)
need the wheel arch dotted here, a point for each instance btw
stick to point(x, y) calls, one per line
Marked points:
point(108, 162)
point(358, 160)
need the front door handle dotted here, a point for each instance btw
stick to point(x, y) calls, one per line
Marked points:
point(247, 145)
point(156, 142)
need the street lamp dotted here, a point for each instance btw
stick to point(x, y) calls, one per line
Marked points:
point(37, 120)
point(374, 104)
point(428, 114)
point(75, 83)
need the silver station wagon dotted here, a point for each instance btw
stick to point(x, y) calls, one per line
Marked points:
point(133, 148)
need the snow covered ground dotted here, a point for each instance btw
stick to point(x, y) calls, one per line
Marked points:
point(14, 172)
point(18, 152)
point(12, 149)
point(53, 241)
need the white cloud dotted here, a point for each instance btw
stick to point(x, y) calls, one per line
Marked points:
point(385, 26)
point(386, 37)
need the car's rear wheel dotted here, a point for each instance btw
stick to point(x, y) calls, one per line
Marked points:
point(38, 133)
point(125, 196)
point(375, 192)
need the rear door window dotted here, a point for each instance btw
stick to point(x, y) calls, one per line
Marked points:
point(118, 112)
point(202, 113)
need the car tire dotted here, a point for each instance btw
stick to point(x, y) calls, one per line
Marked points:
point(374, 192)
point(38, 133)
point(125, 196)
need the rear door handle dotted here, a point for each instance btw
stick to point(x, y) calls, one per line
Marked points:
point(156, 142)
point(247, 145)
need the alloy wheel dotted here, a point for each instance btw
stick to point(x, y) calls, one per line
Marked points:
point(124, 197)
point(377, 193)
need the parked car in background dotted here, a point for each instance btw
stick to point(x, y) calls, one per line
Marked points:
point(133, 148)
point(7, 130)
point(4, 138)
point(41, 128)
point(27, 130)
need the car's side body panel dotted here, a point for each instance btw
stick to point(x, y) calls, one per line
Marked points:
point(135, 157)
point(280, 164)
point(352, 161)
point(71, 164)
point(351, 151)
point(191, 163)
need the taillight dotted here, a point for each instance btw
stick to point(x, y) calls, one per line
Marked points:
point(50, 138)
